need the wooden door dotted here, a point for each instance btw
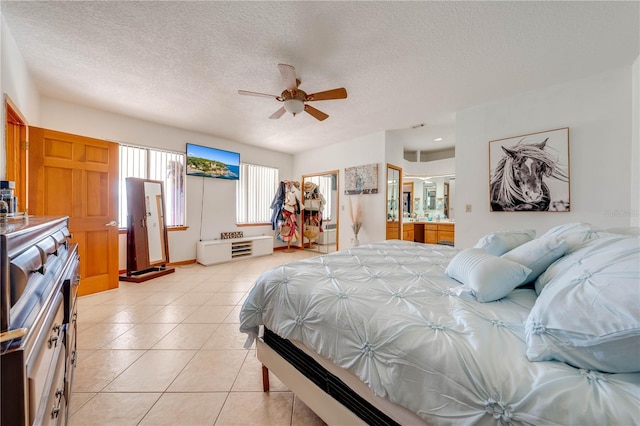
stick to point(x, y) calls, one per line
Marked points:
point(78, 177)
point(16, 137)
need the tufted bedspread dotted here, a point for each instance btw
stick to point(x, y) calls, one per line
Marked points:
point(387, 313)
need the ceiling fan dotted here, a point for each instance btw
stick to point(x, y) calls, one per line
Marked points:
point(295, 99)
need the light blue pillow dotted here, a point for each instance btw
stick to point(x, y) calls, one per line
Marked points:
point(573, 233)
point(498, 243)
point(488, 277)
point(589, 316)
point(537, 254)
point(580, 252)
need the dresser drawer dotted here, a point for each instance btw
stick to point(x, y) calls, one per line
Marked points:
point(44, 358)
point(51, 408)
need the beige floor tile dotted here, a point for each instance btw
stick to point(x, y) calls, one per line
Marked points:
point(100, 334)
point(209, 314)
point(210, 371)
point(78, 399)
point(97, 370)
point(97, 298)
point(157, 323)
point(227, 336)
point(221, 286)
point(234, 316)
point(141, 336)
point(230, 299)
point(256, 409)
point(303, 416)
point(187, 336)
point(98, 313)
point(133, 314)
point(194, 298)
point(250, 377)
point(236, 286)
point(172, 314)
point(161, 298)
point(152, 372)
point(193, 409)
point(117, 409)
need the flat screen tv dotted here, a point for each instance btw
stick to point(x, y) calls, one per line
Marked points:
point(212, 162)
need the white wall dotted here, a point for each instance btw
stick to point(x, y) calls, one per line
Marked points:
point(210, 202)
point(597, 111)
point(16, 83)
point(368, 149)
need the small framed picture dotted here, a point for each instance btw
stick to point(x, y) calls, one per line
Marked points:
point(530, 172)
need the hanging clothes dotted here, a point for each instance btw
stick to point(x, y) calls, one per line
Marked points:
point(277, 205)
point(287, 205)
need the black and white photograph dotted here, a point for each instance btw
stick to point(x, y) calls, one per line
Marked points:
point(530, 172)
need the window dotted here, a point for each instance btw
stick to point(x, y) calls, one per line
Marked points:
point(254, 193)
point(165, 166)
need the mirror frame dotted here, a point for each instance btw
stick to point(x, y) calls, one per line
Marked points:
point(139, 206)
point(393, 226)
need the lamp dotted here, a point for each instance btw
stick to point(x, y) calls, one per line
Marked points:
point(294, 106)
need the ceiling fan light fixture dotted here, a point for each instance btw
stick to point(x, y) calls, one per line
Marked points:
point(294, 106)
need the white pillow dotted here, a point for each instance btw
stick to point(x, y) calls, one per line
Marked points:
point(537, 254)
point(498, 243)
point(488, 277)
point(589, 316)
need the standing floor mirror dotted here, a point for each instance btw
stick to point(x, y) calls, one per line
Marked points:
point(320, 214)
point(147, 242)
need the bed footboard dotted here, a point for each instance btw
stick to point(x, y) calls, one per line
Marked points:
point(327, 395)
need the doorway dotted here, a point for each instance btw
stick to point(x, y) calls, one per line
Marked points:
point(320, 222)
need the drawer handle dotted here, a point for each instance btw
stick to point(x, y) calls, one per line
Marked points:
point(53, 341)
point(56, 409)
point(42, 270)
point(74, 358)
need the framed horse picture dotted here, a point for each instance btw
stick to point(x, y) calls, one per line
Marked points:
point(530, 172)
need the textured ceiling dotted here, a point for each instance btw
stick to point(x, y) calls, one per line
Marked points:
point(402, 63)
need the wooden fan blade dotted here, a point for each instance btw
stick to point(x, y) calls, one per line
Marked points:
point(319, 115)
point(277, 114)
point(288, 74)
point(262, 95)
point(340, 93)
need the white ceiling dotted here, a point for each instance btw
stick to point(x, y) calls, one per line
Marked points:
point(402, 63)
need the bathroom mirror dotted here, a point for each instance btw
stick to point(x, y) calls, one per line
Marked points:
point(320, 214)
point(437, 193)
point(394, 202)
point(147, 242)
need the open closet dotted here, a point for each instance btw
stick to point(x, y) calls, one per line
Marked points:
point(320, 214)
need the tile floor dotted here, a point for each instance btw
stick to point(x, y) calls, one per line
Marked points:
point(168, 352)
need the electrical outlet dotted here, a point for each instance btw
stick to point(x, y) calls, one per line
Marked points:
point(467, 208)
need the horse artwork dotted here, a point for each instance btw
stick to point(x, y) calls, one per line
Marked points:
point(530, 174)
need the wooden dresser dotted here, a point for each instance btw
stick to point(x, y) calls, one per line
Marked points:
point(436, 232)
point(39, 284)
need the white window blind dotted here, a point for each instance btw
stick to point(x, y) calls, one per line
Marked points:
point(165, 166)
point(254, 193)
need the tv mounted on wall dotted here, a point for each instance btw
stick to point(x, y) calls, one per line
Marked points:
point(212, 162)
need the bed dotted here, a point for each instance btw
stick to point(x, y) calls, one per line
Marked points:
point(517, 330)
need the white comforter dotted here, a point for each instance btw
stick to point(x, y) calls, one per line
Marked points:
point(387, 313)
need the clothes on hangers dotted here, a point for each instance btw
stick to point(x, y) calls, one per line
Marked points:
point(285, 205)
